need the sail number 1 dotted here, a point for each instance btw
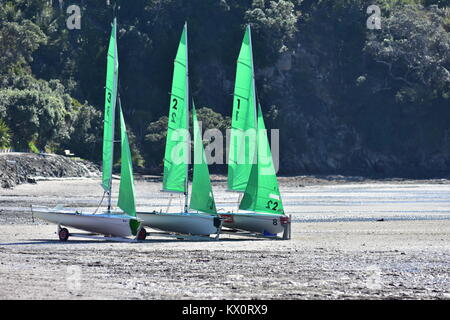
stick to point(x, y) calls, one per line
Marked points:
point(238, 106)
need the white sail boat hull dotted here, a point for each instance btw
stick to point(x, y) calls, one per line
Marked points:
point(109, 224)
point(184, 223)
point(254, 222)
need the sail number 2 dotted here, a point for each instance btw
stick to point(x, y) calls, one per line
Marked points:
point(173, 116)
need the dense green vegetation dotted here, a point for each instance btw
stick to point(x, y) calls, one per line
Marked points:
point(347, 98)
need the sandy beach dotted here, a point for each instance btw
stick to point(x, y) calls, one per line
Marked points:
point(350, 240)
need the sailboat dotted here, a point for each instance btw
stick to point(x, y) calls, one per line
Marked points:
point(250, 164)
point(204, 221)
point(115, 225)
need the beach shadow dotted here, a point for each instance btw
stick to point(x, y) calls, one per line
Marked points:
point(146, 241)
point(47, 241)
point(31, 241)
point(198, 241)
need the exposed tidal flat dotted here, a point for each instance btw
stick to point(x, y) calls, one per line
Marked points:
point(351, 239)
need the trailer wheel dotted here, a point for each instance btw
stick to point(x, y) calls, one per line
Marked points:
point(142, 234)
point(63, 234)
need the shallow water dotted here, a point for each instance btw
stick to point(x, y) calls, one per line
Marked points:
point(345, 202)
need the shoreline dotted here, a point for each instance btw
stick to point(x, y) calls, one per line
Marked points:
point(311, 180)
point(19, 168)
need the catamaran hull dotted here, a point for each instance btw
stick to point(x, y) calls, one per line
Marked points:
point(267, 224)
point(184, 223)
point(109, 224)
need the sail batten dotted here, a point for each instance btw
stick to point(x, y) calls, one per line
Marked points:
point(177, 96)
point(242, 97)
point(180, 63)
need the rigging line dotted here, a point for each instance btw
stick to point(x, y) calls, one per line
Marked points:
point(187, 102)
point(239, 201)
point(101, 201)
point(170, 202)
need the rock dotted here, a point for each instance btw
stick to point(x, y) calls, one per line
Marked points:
point(17, 168)
point(31, 180)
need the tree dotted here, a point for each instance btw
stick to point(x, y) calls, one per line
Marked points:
point(36, 111)
point(86, 138)
point(5, 135)
point(274, 24)
point(413, 47)
point(18, 41)
point(409, 63)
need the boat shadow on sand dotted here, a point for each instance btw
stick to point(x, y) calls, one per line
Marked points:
point(141, 242)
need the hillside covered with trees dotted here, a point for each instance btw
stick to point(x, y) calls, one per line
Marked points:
point(348, 98)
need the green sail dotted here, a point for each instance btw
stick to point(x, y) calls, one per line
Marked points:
point(262, 193)
point(243, 123)
point(202, 198)
point(176, 153)
point(126, 189)
point(110, 105)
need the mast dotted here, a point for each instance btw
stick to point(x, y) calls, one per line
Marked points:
point(253, 78)
point(255, 157)
point(112, 68)
point(186, 183)
point(116, 67)
point(175, 168)
point(240, 158)
point(262, 192)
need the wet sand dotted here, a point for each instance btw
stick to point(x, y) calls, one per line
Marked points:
point(350, 240)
